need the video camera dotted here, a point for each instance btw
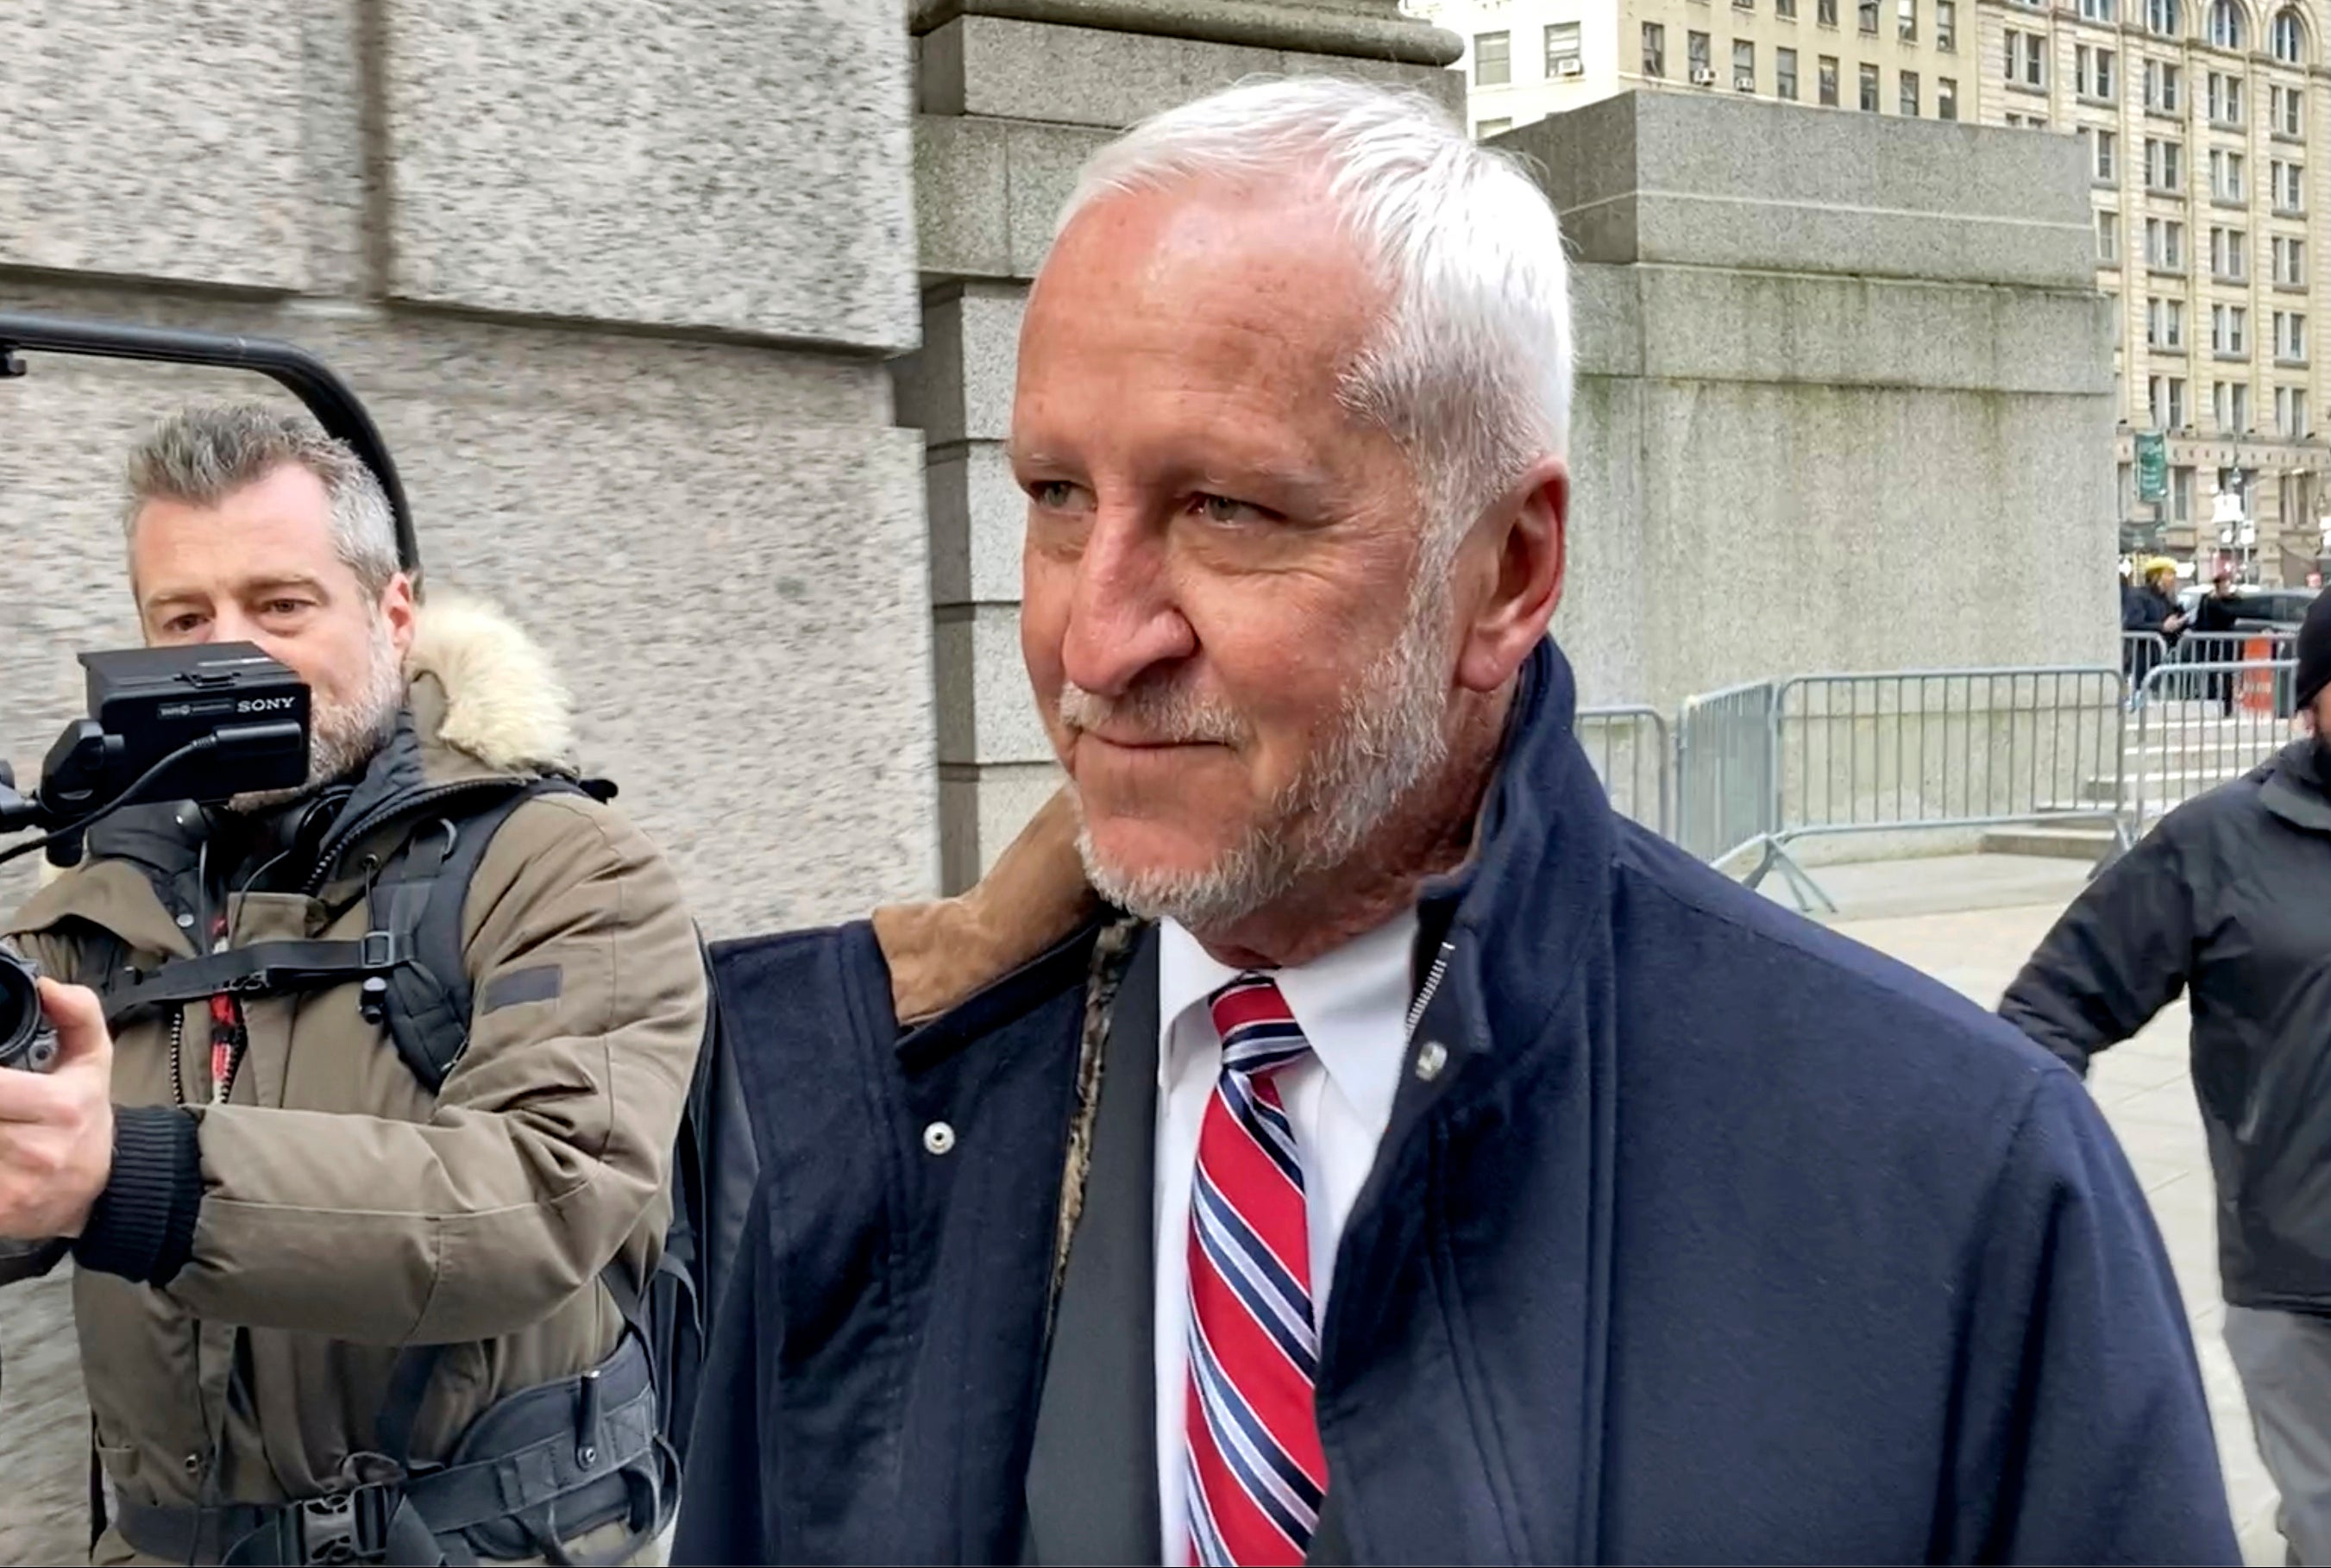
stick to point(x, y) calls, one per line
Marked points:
point(203, 723)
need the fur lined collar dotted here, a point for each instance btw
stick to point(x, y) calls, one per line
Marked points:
point(504, 704)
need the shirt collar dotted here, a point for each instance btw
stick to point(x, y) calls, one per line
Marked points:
point(1352, 1003)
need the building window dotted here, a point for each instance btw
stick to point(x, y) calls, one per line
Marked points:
point(2288, 182)
point(1784, 73)
point(1562, 57)
point(2103, 152)
point(2162, 16)
point(2109, 237)
point(2225, 24)
point(2096, 10)
point(1655, 50)
point(2165, 397)
point(2092, 72)
point(2163, 86)
point(1908, 106)
point(1490, 128)
point(1868, 15)
point(1947, 98)
point(2165, 323)
point(1787, 10)
point(2228, 254)
point(2286, 38)
point(2230, 406)
point(2027, 59)
point(1829, 80)
point(2225, 173)
point(2225, 96)
point(1695, 45)
point(2165, 165)
point(2164, 244)
point(1946, 26)
point(2290, 337)
point(1493, 59)
point(1905, 21)
point(2229, 330)
point(2290, 412)
point(2027, 122)
point(2283, 110)
point(1825, 12)
point(1870, 90)
point(1743, 66)
point(2289, 261)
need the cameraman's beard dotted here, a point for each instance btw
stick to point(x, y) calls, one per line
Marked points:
point(342, 738)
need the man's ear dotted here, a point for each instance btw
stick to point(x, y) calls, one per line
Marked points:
point(1521, 554)
point(403, 614)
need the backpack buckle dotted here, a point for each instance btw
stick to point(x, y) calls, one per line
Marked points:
point(377, 951)
point(349, 1526)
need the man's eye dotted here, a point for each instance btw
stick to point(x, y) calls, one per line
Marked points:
point(1051, 494)
point(1223, 509)
point(179, 625)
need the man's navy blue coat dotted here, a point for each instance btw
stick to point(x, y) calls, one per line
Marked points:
point(1720, 1239)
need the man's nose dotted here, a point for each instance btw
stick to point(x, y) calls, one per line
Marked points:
point(1123, 618)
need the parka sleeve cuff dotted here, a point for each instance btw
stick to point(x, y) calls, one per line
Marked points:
point(142, 1226)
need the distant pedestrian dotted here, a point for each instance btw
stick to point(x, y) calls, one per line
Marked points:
point(2153, 608)
point(2215, 619)
point(2229, 901)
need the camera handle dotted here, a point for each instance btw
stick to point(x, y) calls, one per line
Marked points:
point(73, 752)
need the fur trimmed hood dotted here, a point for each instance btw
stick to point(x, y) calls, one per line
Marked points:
point(504, 704)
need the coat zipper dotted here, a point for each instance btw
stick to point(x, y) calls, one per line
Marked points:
point(1433, 978)
point(387, 811)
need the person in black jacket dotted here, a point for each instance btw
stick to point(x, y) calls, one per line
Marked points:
point(2229, 901)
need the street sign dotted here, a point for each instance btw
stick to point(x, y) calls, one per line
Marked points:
point(2152, 468)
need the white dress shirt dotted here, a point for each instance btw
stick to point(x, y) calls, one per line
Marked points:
point(1352, 1006)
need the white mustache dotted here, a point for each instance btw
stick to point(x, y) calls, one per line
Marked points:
point(1162, 715)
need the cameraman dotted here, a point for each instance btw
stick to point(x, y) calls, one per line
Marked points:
point(291, 1257)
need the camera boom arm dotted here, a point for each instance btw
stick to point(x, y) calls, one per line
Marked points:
point(305, 377)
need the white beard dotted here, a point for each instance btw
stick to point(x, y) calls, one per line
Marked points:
point(1388, 738)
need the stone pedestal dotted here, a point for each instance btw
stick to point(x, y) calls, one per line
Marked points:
point(1012, 95)
point(1844, 396)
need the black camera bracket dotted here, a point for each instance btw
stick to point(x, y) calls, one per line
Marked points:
point(305, 377)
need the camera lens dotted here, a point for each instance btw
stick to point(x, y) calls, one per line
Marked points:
point(22, 1022)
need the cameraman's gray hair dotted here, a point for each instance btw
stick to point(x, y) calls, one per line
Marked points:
point(202, 454)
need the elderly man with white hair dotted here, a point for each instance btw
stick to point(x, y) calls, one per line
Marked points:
point(1330, 1133)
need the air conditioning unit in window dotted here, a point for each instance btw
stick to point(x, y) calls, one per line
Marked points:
point(1570, 67)
point(1703, 76)
point(1742, 83)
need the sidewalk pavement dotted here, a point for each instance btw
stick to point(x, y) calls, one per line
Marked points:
point(1970, 921)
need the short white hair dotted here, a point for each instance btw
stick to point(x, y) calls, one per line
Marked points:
point(1471, 370)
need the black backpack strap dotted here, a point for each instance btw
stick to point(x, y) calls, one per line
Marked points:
point(288, 965)
point(425, 1001)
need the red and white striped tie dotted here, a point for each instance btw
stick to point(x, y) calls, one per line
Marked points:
point(1250, 1435)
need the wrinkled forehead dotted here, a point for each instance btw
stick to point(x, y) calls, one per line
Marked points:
point(1201, 303)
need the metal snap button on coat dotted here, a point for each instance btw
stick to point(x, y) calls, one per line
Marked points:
point(1430, 1057)
point(938, 1138)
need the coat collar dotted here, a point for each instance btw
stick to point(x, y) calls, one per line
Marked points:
point(2293, 787)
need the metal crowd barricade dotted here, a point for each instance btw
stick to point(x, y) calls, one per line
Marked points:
point(1919, 750)
point(2202, 724)
point(1631, 750)
point(1724, 762)
point(2141, 652)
